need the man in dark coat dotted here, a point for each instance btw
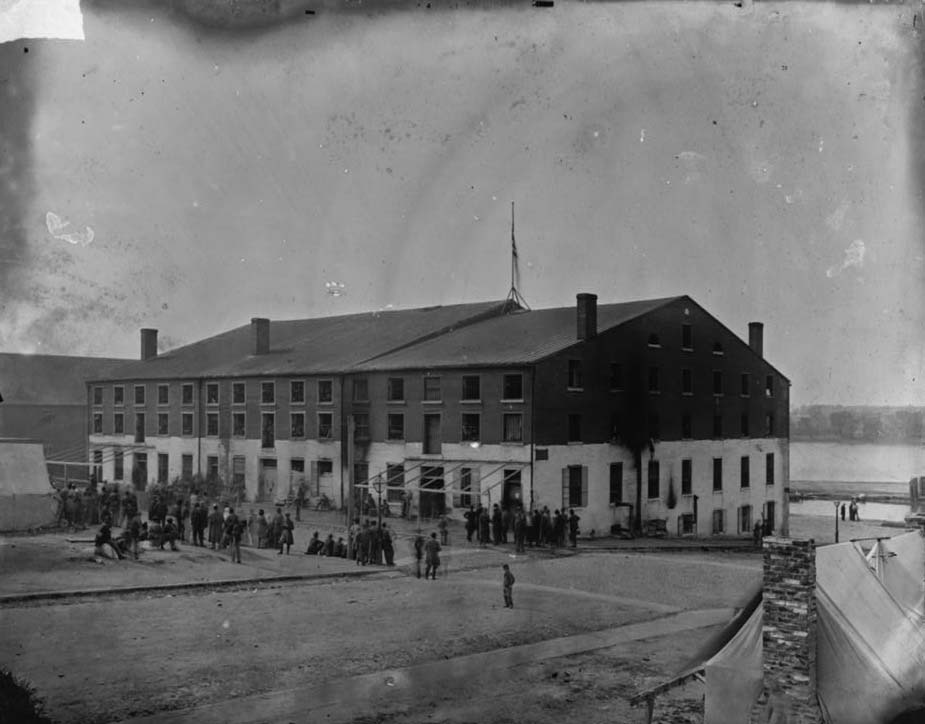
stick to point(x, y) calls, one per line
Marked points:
point(573, 528)
point(496, 524)
point(232, 530)
point(216, 523)
point(276, 527)
point(387, 547)
point(431, 557)
point(472, 522)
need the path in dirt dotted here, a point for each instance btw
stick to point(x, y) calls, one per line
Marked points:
point(345, 699)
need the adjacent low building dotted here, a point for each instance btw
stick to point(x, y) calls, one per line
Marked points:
point(640, 412)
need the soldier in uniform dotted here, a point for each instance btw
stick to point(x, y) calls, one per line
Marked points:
point(431, 557)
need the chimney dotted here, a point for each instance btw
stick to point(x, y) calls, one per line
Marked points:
point(789, 632)
point(587, 316)
point(148, 344)
point(261, 331)
point(756, 337)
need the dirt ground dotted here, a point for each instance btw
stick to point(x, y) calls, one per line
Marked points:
point(100, 660)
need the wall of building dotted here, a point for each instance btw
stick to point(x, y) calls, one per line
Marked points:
point(599, 515)
point(61, 428)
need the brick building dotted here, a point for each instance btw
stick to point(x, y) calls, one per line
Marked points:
point(648, 408)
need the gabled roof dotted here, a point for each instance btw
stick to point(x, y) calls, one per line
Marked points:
point(324, 345)
point(50, 379)
point(522, 337)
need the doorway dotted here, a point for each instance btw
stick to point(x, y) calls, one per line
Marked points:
point(511, 490)
point(433, 504)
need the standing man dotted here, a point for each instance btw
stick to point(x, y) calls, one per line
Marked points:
point(299, 500)
point(507, 584)
point(431, 557)
point(496, 524)
point(520, 531)
point(471, 523)
point(216, 523)
point(276, 528)
point(285, 537)
point(418, 552)
point(573, 527)
point(232, 531)
point(387, 547)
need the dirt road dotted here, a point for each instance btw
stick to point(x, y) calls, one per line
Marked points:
point(106, 660)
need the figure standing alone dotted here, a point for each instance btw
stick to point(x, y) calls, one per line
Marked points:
point(508, 585)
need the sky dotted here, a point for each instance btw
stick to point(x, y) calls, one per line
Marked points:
point(189, 168)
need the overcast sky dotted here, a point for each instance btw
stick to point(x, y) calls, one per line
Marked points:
point(767, 160)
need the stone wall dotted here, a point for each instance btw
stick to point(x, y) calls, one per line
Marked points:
point(789, 634)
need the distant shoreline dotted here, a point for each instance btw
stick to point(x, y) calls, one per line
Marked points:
point(874, 491)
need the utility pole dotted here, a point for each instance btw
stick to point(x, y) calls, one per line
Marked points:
point(351, 429)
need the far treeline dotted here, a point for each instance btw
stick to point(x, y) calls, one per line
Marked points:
point(837, 423)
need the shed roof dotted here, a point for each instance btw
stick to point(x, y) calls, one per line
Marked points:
point(521, 337)
point(308, 346)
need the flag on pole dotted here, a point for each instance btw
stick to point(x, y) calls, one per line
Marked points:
point(515, 266)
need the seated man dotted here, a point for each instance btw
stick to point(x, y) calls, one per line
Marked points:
point(315, 545)
point(328, 546)
point(170, 534)
point(104, 545)
point(340, 548)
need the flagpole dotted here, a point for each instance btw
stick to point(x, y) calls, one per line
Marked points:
point(513, 247)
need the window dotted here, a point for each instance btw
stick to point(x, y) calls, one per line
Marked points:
point(297, 425)
point(744, 480)
point(268, 430)
point(653, 340)
point(163, 467)
point(687, 476)
point(717, 348)
point(360, 389)
point(325, 467)
point(687, 382)
point(769, 386)
point(616, 483)
point(686, 426)
point(325, 392)
point(139, 394)
point(746, 385)
point(513, 387)
point(743, 424)
point(162, 421)
point(717, 426)
point(471, 387)
point(769, 469)
point(687, 337)
point(238, 392)
point(267, 393)
point(163, 394)
point(653, 379)
point(186, 394)
point(395, 479)
point(186, 466)
point(432, 389)
point(654, 483)
point(212, 424)
point(655, 427)
point(98, 423)
point(396, 422)
point(745, 519)
point(187, 420)
point(718, 521)
point(212, 466)
point(212, 393)
point(575, 493)
point(238, 475)
point(325, 426)
point(717, 475)
point(118, 462)
point(471, 427)
point(513, 427)
point(118, 395)
point(769, 424)
point(139, 427)
point(574, 428)
point(616, 376)
point(717, 382)
point(433, 435)
point(396, 389)
point(118, 423)
point(238, 421)
point(297, 392)
point(361, 429)
point(97, 395)
point(575, 377)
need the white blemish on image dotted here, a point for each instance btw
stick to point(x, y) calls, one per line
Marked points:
point(642, 136)
point(226, 623)
point(56, 228)
point(836, 218)
point(854, 256)
point(41, 19)
point(334, 289)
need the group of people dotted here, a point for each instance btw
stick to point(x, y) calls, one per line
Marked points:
point(79, 508)
point(536, 528)
point(852, 510)
point(371, 543)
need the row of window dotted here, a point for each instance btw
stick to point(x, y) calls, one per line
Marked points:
point(575, 480)
point(238, 393)
point(687, 340)
point(687, 426)
point(617, 381)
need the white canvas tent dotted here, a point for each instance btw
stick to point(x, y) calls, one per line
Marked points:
point(870, 654)
point(27, 499)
